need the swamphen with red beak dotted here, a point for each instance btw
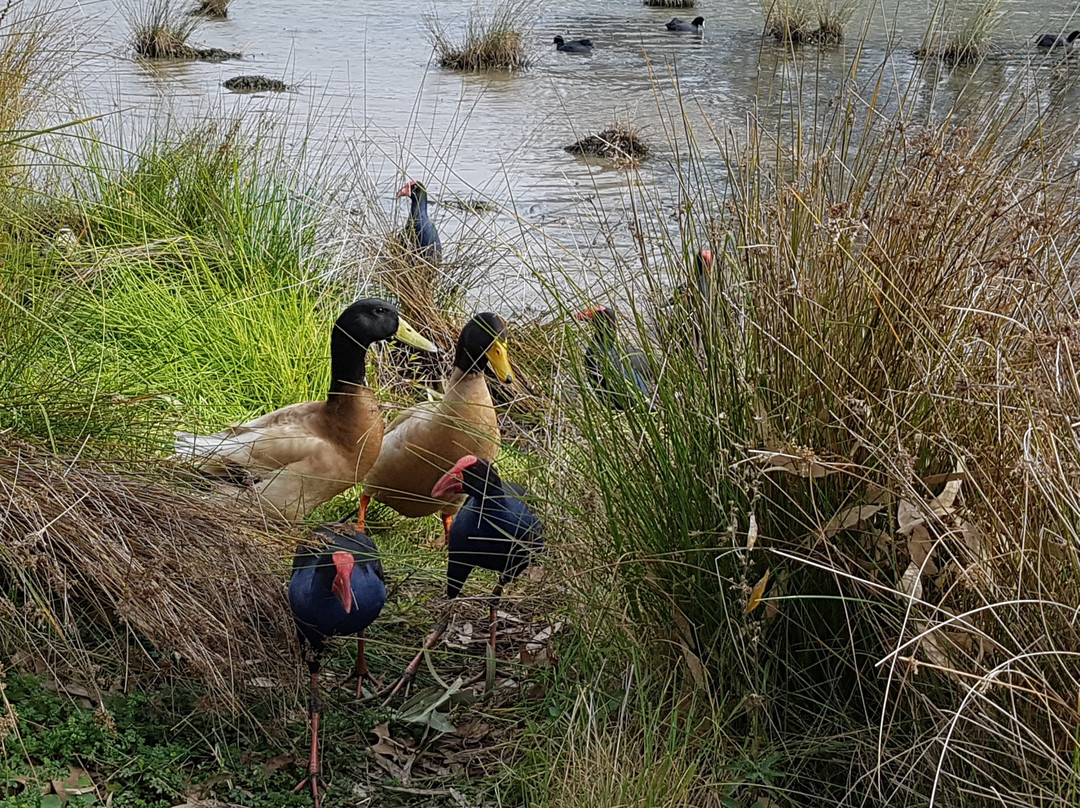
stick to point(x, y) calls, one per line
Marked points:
point(494, 531)
point(419, 229)
point(620, 373)
point(335, 590)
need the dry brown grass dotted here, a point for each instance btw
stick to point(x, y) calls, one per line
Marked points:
point(176, 584)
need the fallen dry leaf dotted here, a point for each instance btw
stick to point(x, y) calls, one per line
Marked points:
point(849, 517)
point(757, 592)
point(693, 662)
point(908, 516)
point(911, 582)
point(77, 782)
point(752, 532)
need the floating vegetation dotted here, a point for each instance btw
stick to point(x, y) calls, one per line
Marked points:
point(620, 142)
point(669, 3)
point(255, 84)
point(477, 205)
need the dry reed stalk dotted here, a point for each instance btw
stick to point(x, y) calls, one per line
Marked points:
point(85, 542)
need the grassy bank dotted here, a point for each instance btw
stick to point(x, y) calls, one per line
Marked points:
point(834, 563)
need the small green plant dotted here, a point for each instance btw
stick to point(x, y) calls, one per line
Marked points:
point(494, 39)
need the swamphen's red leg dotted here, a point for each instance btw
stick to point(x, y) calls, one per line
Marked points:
point(360, 672)
point(447, 521)
point(314, 779)
point(406, 678)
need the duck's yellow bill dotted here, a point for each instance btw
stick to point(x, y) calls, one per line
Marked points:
point(410, 336)
point(499, 359)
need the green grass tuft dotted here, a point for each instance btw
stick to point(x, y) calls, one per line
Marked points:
point(494, 39)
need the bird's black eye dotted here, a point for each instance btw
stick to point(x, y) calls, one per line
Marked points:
point(379, 310)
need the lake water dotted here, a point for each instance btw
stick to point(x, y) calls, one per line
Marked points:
point(371, 101)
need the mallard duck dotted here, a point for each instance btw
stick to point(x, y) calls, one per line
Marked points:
point(336, 590)
point(293, 459)
point(425, 441)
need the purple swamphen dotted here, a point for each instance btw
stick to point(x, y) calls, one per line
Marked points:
point(619, 373)
point(336, 590)
point(420, 231)
point(494, 531)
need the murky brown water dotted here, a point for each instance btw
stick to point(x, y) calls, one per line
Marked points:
point(369, 95)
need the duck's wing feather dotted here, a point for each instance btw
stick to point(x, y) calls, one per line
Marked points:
point(273, 441)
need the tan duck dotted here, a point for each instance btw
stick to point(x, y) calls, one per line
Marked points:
point(293, 459)
point(425, 441)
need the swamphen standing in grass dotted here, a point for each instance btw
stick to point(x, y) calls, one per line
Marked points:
point(620, 374)
point(494, 531)
point(335, 590)
point(420, 230)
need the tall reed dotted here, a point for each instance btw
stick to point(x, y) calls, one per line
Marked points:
point(844, 516)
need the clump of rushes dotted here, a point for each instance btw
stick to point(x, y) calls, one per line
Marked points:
point(833, 17)
point(970, 42)
point(214, 9)
point(494, 39)
point(621, 142)
point(669, 3)
point(788, 20)
point(161, 31)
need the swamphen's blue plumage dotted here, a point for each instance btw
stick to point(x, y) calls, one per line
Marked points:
point(620, 374)
point(419, 229)
point(317, 609)
point(336, 590)
point(494, 530)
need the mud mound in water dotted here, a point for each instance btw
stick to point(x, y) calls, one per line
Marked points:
point(254, 84)
point(620, 142)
